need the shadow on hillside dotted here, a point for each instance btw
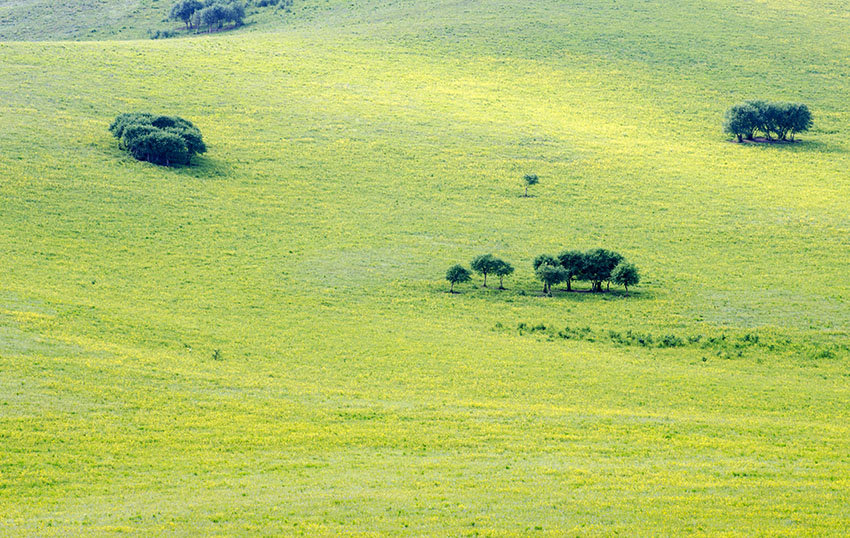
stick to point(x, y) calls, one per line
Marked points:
point(794, 145)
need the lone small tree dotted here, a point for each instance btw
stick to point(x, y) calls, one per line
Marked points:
point(484, 265)
point(573, 263)
point(501, 270)
point(457, 274)
point(529, 180)
point(625, 274)
point(550, 275)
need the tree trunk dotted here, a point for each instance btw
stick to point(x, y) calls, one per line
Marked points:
point(501, 283)
point(452, 288)
point(485, 280)
point(526, 191)
point(740, 139)
point(569, 287)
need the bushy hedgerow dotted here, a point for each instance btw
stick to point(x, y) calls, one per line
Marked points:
point(163, 140)
point(779, 120)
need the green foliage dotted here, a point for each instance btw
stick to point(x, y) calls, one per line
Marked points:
point(164, 140)
point(528, 180)
point(598, 265)
point(625, 274)
point(573, 263)
point(159, 147)
point(742, 121)
point(781, 119)
point(484, 265)
point(184, 9)
point(457, 274)
point(335, 352)
point(544, 259)
point(502, 269)
point(550, 275)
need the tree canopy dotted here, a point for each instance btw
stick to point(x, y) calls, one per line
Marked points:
point(457, 274)
point(163, 140)
point(783, 120)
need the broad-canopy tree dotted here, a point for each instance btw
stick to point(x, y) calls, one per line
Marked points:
point(501, 270)
point(573, 263)
point(625, 274)
point(184, 9)
point(598, 265)
point(550, 275)
point(484, 265)
point(457, 274)
point(742, 121)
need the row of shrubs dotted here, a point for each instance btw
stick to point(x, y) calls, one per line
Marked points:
point(163, 140)
point(209, 13)
point(723, 345)
point(783, 120)
point(598, 266)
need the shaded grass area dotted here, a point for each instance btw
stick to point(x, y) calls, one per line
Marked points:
point(346, 172)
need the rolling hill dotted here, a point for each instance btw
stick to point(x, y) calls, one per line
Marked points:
point(262, 343)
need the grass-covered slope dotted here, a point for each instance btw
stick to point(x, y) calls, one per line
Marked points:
point(352, 159)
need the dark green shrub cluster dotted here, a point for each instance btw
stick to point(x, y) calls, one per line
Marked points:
point(164, 140)
point(598, 266)
point(722, 345)
point(282, 4)
point(773, 120)
point(209, 13)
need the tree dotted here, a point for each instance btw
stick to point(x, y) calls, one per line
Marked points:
point(483, 265)
point(530, 179)
point(598, 265)
point(160, 147)
point(212, 15)
point(625, 274)
point(573, 263)
point(457, 275)
point(782, 119)
point(151, 138)
point(741, 121)
point(235, 12)
point(184, 9)
point(767, 115)
point(501, 270)
point(550, 275)
point(544, 259)
point(800, 118)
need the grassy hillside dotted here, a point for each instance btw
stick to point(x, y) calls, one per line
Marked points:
point(355, 154)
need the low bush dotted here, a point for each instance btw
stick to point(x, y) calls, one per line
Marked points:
point(163, 140)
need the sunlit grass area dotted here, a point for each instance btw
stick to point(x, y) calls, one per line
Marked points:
point(262, 343)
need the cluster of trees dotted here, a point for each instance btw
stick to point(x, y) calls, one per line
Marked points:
point(209, 13)
point(486, 264)
point(783, 120)
point(164, 140)
point(597, 266)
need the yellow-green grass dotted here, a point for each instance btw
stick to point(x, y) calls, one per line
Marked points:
point(352, 160)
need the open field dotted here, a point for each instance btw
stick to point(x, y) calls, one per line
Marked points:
point(356, 153)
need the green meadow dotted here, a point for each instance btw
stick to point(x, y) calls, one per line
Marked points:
point(262, 343)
